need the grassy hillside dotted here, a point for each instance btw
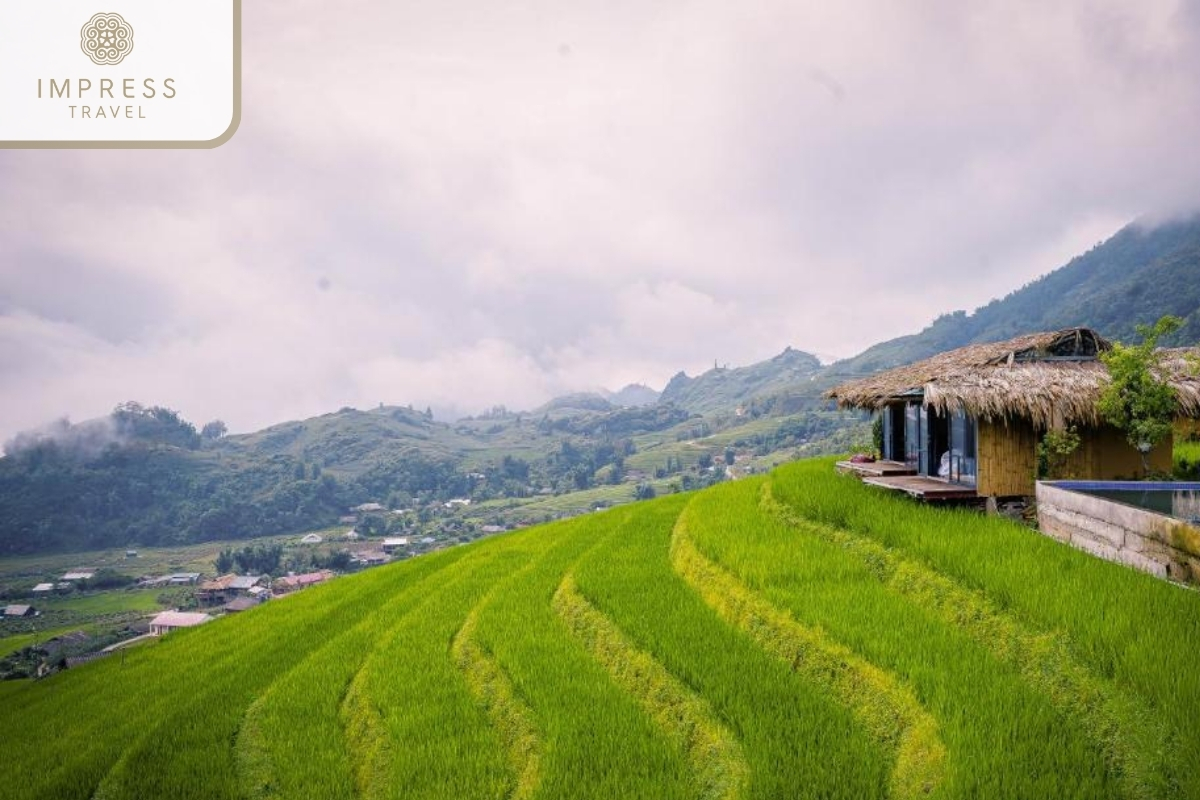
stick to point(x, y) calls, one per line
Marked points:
point(797, 635)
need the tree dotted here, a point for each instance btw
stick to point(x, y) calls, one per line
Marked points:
point(730, 456)
point(154, 425)
point(1055, 450)
point(617, 473)
point(213, 430)
point(644, 491)
point(1137, 399)
point(224, 562)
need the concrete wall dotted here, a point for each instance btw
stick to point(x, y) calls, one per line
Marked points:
point(1158, 544)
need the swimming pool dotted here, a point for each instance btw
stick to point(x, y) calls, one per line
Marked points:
point(1174, 499)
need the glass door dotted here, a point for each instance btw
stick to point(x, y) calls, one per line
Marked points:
point(913, 417)
point(963, 449)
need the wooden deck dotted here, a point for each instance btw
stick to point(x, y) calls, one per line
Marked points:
point(931, 490)
point(876, 469)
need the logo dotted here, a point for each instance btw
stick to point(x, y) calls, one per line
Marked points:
point(179, 85)
point(107, 39)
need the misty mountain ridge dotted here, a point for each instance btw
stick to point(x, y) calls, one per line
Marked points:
point(145, 475)
point(725, 389)
point(633, 395)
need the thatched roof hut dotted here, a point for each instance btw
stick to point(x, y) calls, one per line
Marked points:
point(1049, 379)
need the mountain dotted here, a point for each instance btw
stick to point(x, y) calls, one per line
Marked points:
point(635, 394)
point(1135, 277)
point(572, 404)
point(724, 389)
point(145, 476)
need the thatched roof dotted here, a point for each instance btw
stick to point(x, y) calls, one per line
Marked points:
point(1049, 378)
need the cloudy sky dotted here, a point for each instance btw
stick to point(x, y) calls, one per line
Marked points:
point(472, 203)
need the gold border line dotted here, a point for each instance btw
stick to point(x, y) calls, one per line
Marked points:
point(185, 144)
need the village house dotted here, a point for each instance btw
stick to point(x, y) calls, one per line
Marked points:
point(394, 543)
point(290, 583)
point(168, 621)
point(312, 538)
point(240, 604)
point(43, 588)
point(79, 575)
point(175, 579)
point(20, 611)
point(370, 558)
point(966, 424)
point(226, 587)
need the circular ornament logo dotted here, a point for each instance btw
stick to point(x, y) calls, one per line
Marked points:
point(107, 39)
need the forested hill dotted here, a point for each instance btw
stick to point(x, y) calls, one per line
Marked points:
point(144, 475)
point(1134, 277)
point(722, 388)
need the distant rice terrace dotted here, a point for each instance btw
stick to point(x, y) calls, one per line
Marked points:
point(790, 635)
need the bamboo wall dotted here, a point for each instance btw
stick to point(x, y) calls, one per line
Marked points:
point(1104, 454)
point(1007, 458)
point(1186, 428)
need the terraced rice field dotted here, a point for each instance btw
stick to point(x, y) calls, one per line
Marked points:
point(798, 635)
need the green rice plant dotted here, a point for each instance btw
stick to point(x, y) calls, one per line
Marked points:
point(1134, 741)
point(166, 760)
point(510, 714)
point(110, 602)
point(718, 767)
point(594, 741)
point(108, 719)
point(797, 741)
point(1125, 626)
point(1003, 736)
point(802, 637)
point(887, 708)
point(413, 727)
point(291, 743)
